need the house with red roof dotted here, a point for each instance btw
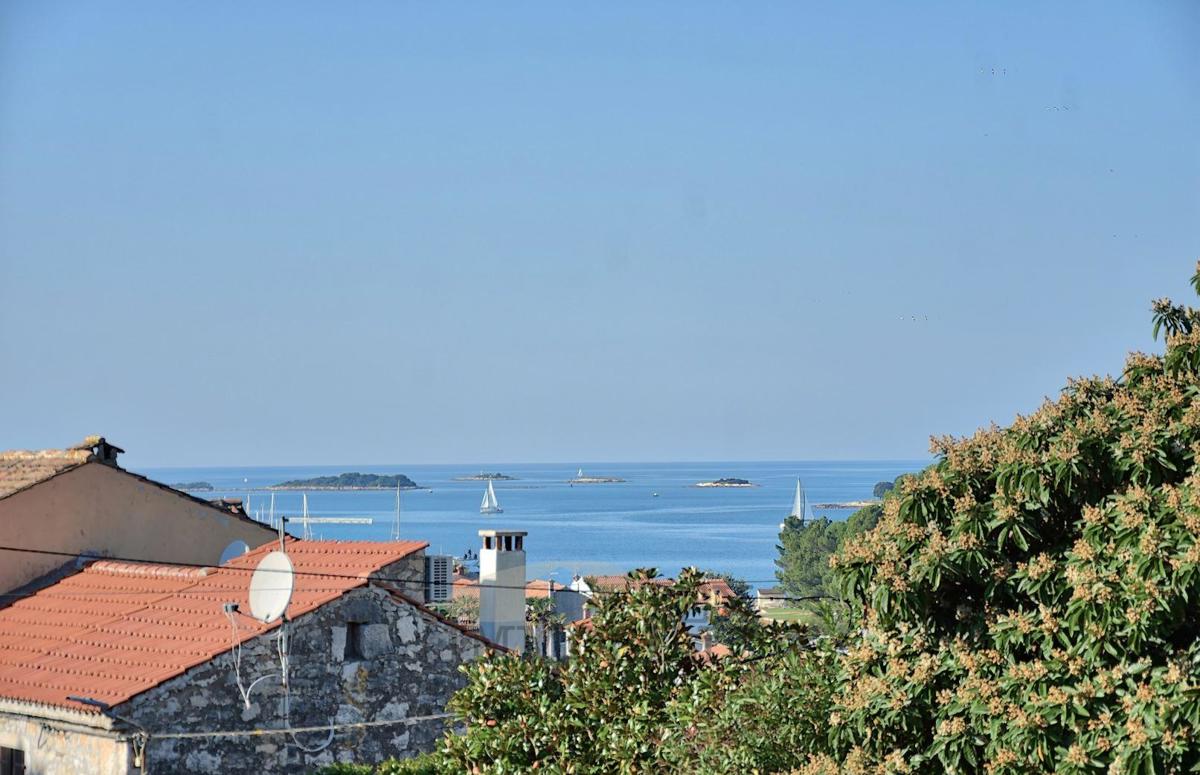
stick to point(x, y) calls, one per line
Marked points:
point(58, 504)
point(132, 667)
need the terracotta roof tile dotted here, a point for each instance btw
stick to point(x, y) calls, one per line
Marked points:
point(20, 468)
point(116, 629)
point(542, 588)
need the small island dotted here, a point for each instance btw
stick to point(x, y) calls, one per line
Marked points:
point(846, 505)
point(484, 477)
point(727, 482)
point(349, 481)
point(194, 486)
point(594, 480)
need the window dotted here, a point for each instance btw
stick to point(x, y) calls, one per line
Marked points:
point(12, 761)
point(354, 644)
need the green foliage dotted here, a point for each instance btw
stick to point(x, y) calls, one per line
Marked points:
point(721, 622)
point(636, 697)
point(806, 547)
point(425, 764)
point(464, 609)
point(1031, 597)
point(353, 480)
point(804, 552)
point(882, 488)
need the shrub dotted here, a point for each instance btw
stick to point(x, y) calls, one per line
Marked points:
point(1030, 597)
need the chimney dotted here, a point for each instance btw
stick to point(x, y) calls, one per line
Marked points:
point(502, 587)
point(102, 451)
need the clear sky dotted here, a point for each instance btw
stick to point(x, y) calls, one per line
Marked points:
point(290, 233)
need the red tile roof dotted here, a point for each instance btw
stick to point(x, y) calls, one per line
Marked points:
point(542, 588)
point(117, 629)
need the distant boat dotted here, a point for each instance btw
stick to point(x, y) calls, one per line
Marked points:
point(800, 508)
point(579, 475)
point(490, 505)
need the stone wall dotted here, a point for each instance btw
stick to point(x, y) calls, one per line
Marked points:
point(367, 656)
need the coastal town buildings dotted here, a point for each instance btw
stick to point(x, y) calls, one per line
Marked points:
point(58, 504)
point(127, 667)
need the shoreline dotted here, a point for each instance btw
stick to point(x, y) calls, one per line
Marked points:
point(847, 505)
point(327, 488)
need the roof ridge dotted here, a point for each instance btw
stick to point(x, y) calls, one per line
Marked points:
point(159, 570)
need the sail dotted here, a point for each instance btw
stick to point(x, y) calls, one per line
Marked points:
point(489, 505)
point(800, 504)
point(580, 474)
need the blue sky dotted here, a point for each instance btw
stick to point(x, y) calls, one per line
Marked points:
point(289, 233)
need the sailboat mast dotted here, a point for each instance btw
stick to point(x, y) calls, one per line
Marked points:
point(307, 528)
point(396, 523)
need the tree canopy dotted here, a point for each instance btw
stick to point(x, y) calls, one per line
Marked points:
point(1030, 597)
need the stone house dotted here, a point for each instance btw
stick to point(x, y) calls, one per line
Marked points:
point(62, 503)
point(127, 667)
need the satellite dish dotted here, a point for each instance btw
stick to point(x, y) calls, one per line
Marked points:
point(271, 587)
point(233, 551)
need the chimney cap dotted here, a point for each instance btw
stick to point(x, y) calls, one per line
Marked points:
point(495, 533)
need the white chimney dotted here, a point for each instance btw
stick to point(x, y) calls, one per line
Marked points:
point(502, 587)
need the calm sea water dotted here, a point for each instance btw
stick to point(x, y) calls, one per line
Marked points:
point(598, 528)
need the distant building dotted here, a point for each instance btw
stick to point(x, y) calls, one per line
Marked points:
point(766, 598)
point(60, 503)
point(127, 667)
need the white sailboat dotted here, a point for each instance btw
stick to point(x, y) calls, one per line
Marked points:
point(800, 507)
point(307, 532)
point(490, 505)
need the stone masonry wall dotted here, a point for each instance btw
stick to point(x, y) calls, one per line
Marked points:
point(364, 657)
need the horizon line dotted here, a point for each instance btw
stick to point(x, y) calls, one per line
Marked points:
point(576, 464)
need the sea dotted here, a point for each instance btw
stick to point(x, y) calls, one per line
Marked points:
point(656, 518)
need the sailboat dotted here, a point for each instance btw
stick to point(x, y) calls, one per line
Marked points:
point(490, 505)
point(800, 508)
point(307, 533)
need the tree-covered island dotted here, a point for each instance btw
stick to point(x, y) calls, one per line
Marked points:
point(349, 481)
point(194, 486)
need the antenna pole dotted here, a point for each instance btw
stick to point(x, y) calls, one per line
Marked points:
point(282, 520)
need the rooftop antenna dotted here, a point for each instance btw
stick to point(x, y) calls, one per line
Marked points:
point(271, 587)
point(233, 551)
point(270, 593)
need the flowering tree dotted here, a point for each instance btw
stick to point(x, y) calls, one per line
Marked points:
point(1031, 598)
point(636, 696)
